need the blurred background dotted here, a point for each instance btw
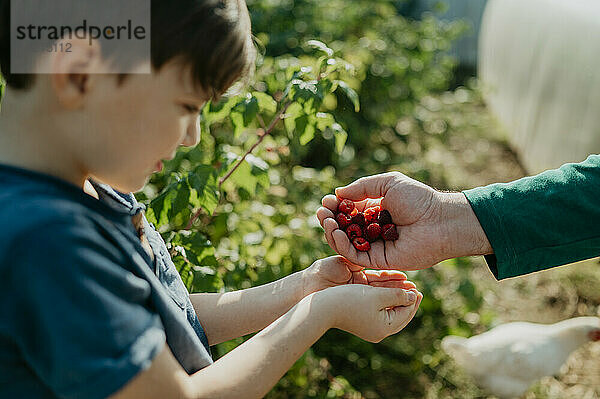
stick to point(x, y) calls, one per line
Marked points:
point(457, 94)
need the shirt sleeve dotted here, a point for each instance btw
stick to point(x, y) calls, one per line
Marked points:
point(543, 221)
point(83, 322)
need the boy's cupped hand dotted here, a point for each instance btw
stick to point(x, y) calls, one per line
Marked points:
point(369, 312)
point(336, 270)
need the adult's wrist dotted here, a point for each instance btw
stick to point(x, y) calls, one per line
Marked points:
point(461, 229)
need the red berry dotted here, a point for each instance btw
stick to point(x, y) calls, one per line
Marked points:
point(384, 217)
point(361, 244)
point(373, 231)
point(343, 220)
point(346, 206)
point(390, 232)
point(371, 214)
point(359, 219)
point(354, 231)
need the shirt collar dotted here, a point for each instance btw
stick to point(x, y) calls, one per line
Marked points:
point(123, 202)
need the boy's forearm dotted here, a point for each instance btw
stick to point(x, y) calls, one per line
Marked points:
point(250, 370)
point(233, 314)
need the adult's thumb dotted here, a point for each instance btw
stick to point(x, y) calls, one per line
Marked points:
point(375, 186)
point(390, 297)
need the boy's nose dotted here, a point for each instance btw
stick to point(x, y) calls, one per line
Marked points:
point(192, 137)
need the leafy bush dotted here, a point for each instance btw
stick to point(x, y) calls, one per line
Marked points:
point(238, 210)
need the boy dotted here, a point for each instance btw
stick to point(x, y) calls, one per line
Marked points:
point(91, 304)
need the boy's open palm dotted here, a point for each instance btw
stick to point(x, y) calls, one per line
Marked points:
point(412, 206)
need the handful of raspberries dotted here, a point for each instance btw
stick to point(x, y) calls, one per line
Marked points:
point(362, 228)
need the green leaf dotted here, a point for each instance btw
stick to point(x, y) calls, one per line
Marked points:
point(181, 200)
point(185, 271)
point(340, 136)
point(159, 208)
point(203, 180)
point(293, 111)
point(305, 128)
point(237, 119)
point(320, 46)
point(265, 102)
point(250, 109)
point(252, 172)
point(350, 93)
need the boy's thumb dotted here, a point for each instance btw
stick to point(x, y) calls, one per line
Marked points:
point(375, 186)
point(390, 297)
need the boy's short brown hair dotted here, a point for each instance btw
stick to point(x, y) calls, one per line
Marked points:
point(211, 37)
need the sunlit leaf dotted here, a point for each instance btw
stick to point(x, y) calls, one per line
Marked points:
point(350, 93)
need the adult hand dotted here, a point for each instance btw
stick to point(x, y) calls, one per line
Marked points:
point(336, 270)
point(432, 225)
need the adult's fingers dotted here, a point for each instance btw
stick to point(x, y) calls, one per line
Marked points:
point(375, 186)
point(330, 202)
point(324, 213)
point(344, 247)
point(330, 226)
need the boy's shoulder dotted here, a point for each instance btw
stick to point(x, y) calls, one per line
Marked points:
point(33, 206)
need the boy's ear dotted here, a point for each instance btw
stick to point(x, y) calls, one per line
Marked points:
point(74, 71)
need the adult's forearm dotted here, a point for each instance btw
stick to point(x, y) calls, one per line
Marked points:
point(233, 314)
point(253, 368)
point(541, 221)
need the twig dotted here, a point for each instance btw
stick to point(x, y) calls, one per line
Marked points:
point(261, 133)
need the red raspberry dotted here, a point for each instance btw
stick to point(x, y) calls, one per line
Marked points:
point(371, 214)
point(361, 244)
point(346, 206)
point(359, 219)
point(373, 231)
point(384, 217)
point(343, 220)
point(390, 233)
point(354, 231)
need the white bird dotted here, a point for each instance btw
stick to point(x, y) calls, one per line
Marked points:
point(509, 358)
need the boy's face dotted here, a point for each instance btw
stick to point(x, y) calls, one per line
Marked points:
point(135, 125)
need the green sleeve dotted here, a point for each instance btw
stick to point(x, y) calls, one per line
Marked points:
point(543, 221)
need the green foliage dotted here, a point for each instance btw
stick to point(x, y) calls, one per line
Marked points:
point(239, 209)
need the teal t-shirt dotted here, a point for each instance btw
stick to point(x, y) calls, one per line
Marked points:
point(83, 308)
point(542, 221)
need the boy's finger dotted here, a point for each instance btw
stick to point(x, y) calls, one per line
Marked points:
point(330, 202)
point(405, 285)
point(402, 315)
point(385, 275)
point(367, 187)
point(392, 297)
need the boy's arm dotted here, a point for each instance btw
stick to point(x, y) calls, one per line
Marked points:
point(250, 370)
point(233, 314)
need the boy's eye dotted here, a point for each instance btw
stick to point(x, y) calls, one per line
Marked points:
point(191, 108)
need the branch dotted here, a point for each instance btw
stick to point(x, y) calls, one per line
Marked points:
point(262, 133)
